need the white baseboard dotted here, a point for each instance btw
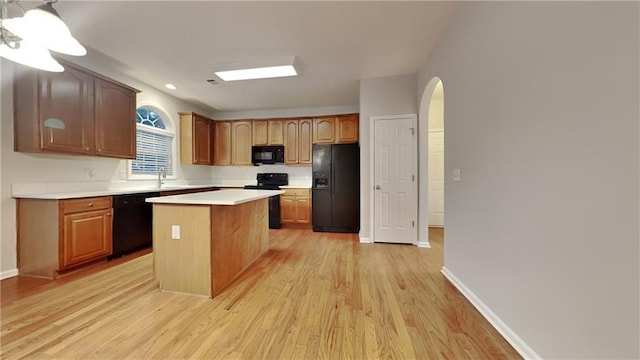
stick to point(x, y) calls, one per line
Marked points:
point(8, 273)
point(366, 240)
point(512, 338)
point(423, 244)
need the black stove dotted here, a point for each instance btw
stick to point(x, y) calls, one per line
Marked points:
point(271, 181)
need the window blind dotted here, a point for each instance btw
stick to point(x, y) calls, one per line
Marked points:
point(153, 152)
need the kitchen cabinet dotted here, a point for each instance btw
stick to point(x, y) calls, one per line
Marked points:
point(295, 208)
point(305, 143)
point(115, 120)
point(259, 132)
point(347, 128)
point(241, 142)
point(58, 235)
point(197, 134)
point(222, 143)
point(297, 141)
point(74, 112)
point(267, 132)
point(324, 130)
point(339, 129)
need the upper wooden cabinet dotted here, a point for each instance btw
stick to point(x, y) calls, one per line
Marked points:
point(115, 124)
point(297, 141)
point(75, 111)
point(234, 138)
point(267, 132)
point(222, 143)
point(305, 143)
point(241, 142)
point(335, 129)
point(196, 139)
point(324, 130)
point(347, 128)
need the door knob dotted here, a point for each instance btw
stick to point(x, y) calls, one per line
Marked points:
point(378, 187)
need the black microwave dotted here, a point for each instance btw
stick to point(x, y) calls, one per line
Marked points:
point(267, 154)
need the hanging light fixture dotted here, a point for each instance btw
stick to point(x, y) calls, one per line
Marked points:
point(28, 39)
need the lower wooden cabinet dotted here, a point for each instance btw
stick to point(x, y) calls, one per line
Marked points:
point(56, 235)
point(295, 208)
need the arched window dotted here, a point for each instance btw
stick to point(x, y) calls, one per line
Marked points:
point(154, 144)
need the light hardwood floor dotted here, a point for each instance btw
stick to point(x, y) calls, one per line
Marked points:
point(314, 295)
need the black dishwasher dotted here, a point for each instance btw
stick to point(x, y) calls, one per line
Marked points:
point(132, 223)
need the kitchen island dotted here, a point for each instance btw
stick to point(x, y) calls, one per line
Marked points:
point(202, 241)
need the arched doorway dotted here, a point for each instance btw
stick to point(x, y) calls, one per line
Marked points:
point(431, 160)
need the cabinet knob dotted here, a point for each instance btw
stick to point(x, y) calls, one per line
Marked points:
point(90, 204)
point(108, 214)
point(378, 187)
point(86, 148)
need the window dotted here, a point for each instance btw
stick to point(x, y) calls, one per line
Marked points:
point(154, 144)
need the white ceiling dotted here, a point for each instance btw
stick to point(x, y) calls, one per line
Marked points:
point(335, 43)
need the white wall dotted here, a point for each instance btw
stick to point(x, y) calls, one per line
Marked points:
point(542, 109)
point(393, 95)
point(40, 171)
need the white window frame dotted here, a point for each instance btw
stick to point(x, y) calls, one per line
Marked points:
point(168, 131)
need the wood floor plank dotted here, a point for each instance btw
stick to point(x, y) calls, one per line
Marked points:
point(313, 295)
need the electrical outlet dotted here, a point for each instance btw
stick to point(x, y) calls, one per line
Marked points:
point(175, 232)
point(91, 174)
point(457, 175)
point(123, 174)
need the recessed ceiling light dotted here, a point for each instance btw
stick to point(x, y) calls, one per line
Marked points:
point(257, 73)
point(170, 86)
point(259, 69)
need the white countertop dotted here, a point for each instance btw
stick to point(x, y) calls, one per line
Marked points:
point(106, 192)
point(60, 195)
point(220, 197)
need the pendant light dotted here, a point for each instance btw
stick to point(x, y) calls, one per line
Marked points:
point(28, 39)
point(31, 55)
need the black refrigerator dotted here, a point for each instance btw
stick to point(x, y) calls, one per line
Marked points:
point(336, 188)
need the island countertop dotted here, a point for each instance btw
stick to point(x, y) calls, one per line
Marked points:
point(220, 197)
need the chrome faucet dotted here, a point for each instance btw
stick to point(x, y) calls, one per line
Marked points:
point(162, 174)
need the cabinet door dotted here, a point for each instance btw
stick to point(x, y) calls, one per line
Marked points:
point(222, 143)
point(303, 210)
point(304, 142)
point(115, 120)
point(241, 142)
point(291, 142)
point(287, 209)
point(324, 130)
point(276, 135)
point(86, 236)
point(347, 129)
point(202, 140)
point(260, 132)
point(66, 111)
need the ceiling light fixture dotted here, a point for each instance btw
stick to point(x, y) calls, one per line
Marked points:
point(170, 86)
point(263, 70)
point(28, 39)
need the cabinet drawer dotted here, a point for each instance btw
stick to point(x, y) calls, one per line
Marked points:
point(296, 192)
point(86, 204)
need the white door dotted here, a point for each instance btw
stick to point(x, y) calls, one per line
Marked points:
point(395, 189)
point(436, 178)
